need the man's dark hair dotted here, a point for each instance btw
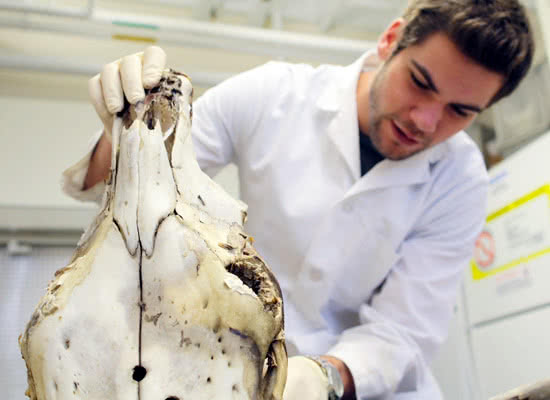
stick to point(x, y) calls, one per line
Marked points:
point(494, 33)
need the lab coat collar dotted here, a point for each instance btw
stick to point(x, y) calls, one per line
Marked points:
point(416, 169)
point(336, 96)
point(339, 103)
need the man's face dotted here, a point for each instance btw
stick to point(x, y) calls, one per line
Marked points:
point(422, 95)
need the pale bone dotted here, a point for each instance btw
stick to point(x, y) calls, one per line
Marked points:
point(164, 279)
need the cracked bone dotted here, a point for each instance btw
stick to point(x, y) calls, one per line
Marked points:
point(165, 297)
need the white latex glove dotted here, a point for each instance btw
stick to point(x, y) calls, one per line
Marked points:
point(128, 76)
point(305, 380)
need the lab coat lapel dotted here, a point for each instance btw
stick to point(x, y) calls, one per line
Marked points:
point(413, 170)
point(338, 107)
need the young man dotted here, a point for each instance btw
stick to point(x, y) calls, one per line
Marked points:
point(365, 194)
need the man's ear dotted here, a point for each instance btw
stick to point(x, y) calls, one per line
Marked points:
point(389, 39)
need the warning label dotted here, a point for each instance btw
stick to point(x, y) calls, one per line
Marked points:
point(484, 252)
point(514, 235)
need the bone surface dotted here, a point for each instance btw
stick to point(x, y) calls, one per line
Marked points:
point(165, 297)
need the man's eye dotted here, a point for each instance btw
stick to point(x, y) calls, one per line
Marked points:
point(459, 111)
point(418, 82)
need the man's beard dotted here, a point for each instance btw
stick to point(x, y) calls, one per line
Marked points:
point(375, 121)
point(376, 118)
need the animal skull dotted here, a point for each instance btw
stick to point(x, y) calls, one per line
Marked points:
point(165, 297)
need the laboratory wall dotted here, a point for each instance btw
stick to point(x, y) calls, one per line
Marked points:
point(497, 338)
point(47, 121)
point(47, 125)
point(23, 283)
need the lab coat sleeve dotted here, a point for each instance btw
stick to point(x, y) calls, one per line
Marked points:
point(72, 179)
point(226, 115)
point(406, 319)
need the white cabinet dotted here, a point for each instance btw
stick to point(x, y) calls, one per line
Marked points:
point(507, 288)
point(512, 352)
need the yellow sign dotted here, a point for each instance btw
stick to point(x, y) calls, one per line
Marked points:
point(514, 235)
point(135, 38)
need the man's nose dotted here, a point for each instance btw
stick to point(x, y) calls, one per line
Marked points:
point(426, 116)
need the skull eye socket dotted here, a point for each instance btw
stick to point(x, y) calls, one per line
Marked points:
point(246, 274)
point(253, 273)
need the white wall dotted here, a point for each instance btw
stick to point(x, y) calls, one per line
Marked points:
point(47, 122)
point(47, 119)
point(23, 283)
point(544, 16)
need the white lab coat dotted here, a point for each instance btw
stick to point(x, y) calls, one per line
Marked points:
point(369, 266)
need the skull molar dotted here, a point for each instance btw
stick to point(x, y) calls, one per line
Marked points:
point(165, 297)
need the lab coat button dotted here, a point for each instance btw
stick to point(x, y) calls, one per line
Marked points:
point(315, 274)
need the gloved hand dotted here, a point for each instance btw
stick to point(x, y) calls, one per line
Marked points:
point(305, 380)
point(128, 77)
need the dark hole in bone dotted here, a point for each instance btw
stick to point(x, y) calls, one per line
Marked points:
point(226, 246)
point(139, 373)
point(172, 398)
point(67, 343)
point(235, 388)
point(246, 275)
point(149, 118)
point(208, 379)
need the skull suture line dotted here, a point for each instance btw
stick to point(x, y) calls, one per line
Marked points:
point(165, 297)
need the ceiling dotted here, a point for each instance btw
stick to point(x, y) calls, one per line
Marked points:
point(209, 39)
point(328, 31)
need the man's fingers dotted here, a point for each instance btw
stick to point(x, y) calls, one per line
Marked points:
point(130, 74)
point(112, 87)
point(154, 61)
point(125, 78)
point(95, 91)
